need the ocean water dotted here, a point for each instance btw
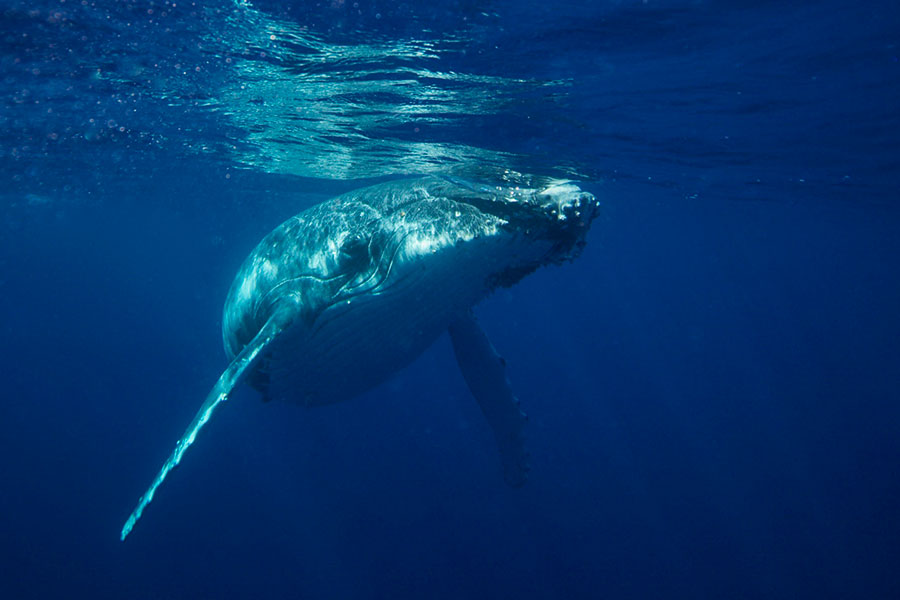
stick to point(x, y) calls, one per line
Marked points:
point(712, 386)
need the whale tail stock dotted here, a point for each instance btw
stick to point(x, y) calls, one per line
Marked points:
point(230, 378)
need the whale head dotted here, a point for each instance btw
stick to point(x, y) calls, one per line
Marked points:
point(546, 224)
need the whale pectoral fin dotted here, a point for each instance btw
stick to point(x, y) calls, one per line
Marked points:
point(232, 376)
point(485, 373)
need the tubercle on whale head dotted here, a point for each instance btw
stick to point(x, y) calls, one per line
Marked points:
point(568, 202)
point(556, 201)
point(573, 211)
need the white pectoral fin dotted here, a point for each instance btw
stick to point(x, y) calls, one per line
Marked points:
point(485, 373)
point(226, 383)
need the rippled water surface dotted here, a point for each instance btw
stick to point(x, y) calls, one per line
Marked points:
point(762, 93)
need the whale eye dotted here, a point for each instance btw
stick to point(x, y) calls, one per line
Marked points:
point(354, 251)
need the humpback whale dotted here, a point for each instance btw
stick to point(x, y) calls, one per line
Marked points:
point(342, 295)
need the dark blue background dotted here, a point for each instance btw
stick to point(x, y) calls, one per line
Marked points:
point(712, 387)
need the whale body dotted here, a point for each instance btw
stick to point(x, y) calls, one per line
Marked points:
point(342, 295)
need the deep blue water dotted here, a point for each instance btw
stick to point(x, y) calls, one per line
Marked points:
point(712, 386)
